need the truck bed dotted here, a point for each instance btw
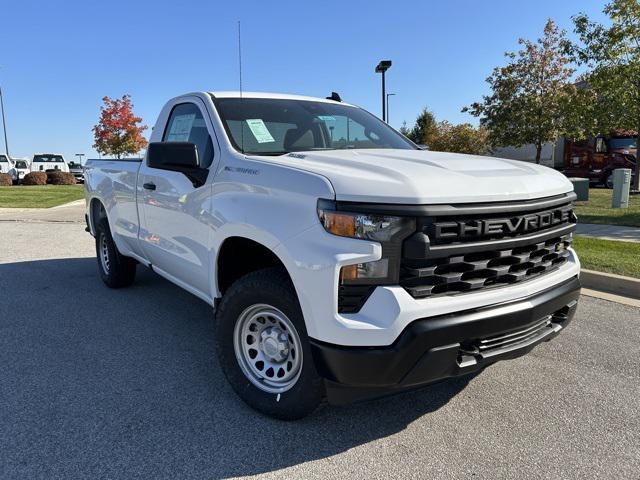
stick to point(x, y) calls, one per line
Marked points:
point(116, 180)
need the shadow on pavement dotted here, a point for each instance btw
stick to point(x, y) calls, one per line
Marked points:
point(125, 383)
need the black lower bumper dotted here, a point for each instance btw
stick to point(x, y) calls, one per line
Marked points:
point(435, 348)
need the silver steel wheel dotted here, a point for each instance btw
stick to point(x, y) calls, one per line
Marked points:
point(104, 253)
point(268, 348)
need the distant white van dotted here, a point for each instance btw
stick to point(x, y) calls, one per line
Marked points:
point(48, 161)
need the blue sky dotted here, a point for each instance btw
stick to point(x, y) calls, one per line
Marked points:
point(58, 59)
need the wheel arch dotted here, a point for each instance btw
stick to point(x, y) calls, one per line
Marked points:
point(240, 255)
point(97, 212)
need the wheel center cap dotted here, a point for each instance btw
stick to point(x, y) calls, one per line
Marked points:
point(275, 344)
point(270, 346)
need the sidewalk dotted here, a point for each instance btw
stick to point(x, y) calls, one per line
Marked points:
point(72, 212)
point(609, 232)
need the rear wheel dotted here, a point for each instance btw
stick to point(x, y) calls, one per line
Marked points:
point(115, 269)
point(263, 346)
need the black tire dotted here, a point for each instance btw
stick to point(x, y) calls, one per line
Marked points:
point(120, 270)
point(271, 287)
point(608, 183)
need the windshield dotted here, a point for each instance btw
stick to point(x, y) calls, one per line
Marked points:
point(616, 143)
point(21, 164)
point(270, 126)
point(3, 158)
point(48, 158)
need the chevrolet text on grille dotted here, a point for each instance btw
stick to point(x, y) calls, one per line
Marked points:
point(496, 226)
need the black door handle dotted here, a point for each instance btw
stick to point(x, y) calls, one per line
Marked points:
point(149, 186)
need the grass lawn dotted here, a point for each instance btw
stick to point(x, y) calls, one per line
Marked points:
point(608, 256)
point(598, 209)
point(39, 196)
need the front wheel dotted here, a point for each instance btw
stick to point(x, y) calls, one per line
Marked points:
point(609, 181)
point(263, 346)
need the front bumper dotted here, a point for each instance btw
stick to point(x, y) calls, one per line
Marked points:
point(435, 348)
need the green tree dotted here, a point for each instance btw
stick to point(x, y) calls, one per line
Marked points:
point(425, 129)
point(404, 130)
point(531, 94)
point(612, 54)
point(444, 136)
point(462, 138)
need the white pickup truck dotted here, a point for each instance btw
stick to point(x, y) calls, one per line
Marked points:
point(342, 261)
point(45, 162)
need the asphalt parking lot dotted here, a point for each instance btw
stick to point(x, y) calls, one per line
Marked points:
point(97, 383)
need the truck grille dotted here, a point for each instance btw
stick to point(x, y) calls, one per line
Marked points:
point(463, 251)
point(501, 342)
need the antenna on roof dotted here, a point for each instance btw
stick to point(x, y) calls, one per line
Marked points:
point(240, 82)
point(335, 97)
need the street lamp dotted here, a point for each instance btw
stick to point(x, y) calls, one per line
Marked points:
point(388, 95)
point(382, 67)
point(80, 155)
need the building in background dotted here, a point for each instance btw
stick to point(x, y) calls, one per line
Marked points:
point(552, 154)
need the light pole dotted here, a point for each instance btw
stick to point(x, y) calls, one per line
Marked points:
point(4, 125)
point(80, 155)
point(382, 67)
point(388, 95)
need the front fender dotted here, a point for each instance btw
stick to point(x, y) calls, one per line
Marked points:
point(265, 203)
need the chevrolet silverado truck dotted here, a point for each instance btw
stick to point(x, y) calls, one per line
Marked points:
point(342, 262)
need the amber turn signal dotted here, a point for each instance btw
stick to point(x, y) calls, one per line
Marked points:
point(340, 224)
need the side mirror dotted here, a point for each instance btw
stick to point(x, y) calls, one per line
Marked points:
point(172, 154)
point(177, 157)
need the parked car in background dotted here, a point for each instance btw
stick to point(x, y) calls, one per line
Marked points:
point(19, 170)
point(78, 171)
point(43, 162)
point(5, 164)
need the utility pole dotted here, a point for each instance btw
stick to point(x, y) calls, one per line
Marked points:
point(4, 125)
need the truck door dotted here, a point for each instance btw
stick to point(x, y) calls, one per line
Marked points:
point(174, 214)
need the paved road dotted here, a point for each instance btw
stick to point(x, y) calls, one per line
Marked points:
point(96, 383)
point(609, 232)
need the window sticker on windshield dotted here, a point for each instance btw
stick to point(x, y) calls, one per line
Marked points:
point(181, 128)
point(259, 130)
point(327, 118)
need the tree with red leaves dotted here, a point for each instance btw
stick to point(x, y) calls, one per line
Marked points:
point(118, 131)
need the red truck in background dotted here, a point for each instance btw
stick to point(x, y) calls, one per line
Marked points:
point(597, 157)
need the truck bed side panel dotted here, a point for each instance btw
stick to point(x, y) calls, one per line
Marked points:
point(113, 182)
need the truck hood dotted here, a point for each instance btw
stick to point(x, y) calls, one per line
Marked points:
point(421, 177)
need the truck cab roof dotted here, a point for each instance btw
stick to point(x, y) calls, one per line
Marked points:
point(280, 96)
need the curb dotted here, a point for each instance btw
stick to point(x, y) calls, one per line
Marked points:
point(608, 282)
point(72, 203)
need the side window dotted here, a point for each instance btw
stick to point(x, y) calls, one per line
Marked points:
point(186, 124)
point(601, 146)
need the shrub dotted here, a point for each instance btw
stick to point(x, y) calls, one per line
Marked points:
point(60, 178)
point(5, 180)
point(35, 178)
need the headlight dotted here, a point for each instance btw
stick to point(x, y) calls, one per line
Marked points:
point(379, 228)
point(387, 230)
